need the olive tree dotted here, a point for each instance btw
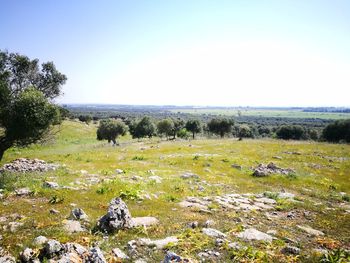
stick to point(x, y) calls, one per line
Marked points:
point(193, 126)
point(144, 128)
point(26, 93)
point(220, 126)
point(165, 127)
point(110, 130)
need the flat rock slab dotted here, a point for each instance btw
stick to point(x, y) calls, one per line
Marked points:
point(158, 243)
point(253, 234)
point(23, 191)
point(118, 253)
point(72, 226)
point(144, 221)
point(311, 231)
point(212, 232)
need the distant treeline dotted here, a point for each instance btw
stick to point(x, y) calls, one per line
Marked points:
point(328, 109)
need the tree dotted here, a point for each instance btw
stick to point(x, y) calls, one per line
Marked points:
point(144, 128)
point(220, 126)
point(165, 127)
point(193, 126)
point(337, 131)
point(26, 93)
point(290, 132)
point(244, 131)
point(85, 118)
point(178, 125)
point(110, 130)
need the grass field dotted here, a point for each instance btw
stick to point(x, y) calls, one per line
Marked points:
point(288, 113)
point(321, 174)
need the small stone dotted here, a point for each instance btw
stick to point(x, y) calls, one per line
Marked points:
point(52, 248)
point(13, 226)
point(158, 243)
point(209, 223)
point(96, 256)
point(155, 178)
point(144, 221)
point(54, 211)
point(289, 250)
point(23, 191)
point(52, 185)
point(72, 226)
point(27, 255)
point(193, 224)
point(311, 231)
point(189, 176)
point(78, 214)
point(119, 171)
point(213, 233)
point(253, 234)
point(40, 240)
point(119, 254)
point(171, 257)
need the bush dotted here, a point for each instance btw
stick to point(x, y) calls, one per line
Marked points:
point(337, 131)
point(291, 132)
point(110, 129)
point(220, 126)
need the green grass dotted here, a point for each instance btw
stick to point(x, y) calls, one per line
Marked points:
point(321, 174)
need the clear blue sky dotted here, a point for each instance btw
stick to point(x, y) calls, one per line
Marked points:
point(257, 53)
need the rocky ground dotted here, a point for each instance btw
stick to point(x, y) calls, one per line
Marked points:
point(208, 201)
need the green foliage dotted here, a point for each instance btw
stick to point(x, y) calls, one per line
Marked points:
point(138, 158)
point(346, 198)
point(183, 133)
point(244, 131)
point(143, 128)
point(165, 127)
point(26, 90)
point(130, 194)
point(193, 126)
point(249, 254)
point(56, 199)
point(337, 131)
point(110, 129)
point(336, 256)
point(220, 126)
point(291, 132)
point(85, 118)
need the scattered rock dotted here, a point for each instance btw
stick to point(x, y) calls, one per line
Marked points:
point(119, 171)
point(52, 248)
point(78, 214)
point(27, 255)
point(117, 217)
point(289, 250)
point(264, 170)
point(189, 176)
point(155, 178)
point(28, 165)
point(253, 234)
point(13, 226)
point(119, 254)
point(209, 223)
point(193, 224)
point(311, 231)
point(54, 211)
point(171, 257)
point(158, 243)
point(52, 185)
point(213, 233)
point(40, 240)
point(6, 257)
point(96, 256)
point(144, 221)
point(23, 191)
point(72, 226)
point(209, 255)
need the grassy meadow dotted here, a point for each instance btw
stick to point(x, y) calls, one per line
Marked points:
point(322, 173)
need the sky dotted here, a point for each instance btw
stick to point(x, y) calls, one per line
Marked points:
point(188, 52)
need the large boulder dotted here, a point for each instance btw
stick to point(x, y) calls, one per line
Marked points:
point(117, 217)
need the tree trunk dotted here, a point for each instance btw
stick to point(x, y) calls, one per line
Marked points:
point(4, 145)
point(193, 135)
